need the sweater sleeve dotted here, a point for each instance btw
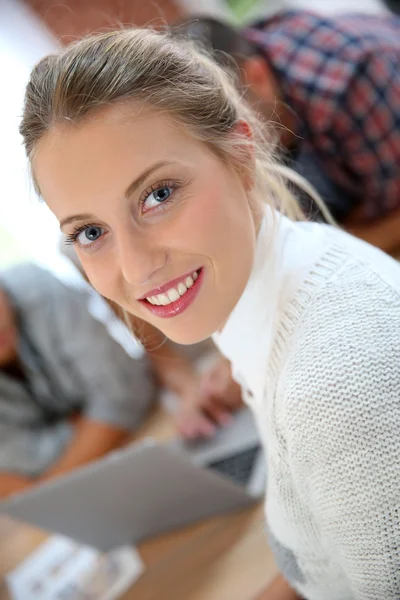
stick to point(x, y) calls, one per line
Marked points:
point(116, 389)
point(343, 428)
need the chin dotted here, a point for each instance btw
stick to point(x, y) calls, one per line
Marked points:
point(187, 339)
point(189, 336)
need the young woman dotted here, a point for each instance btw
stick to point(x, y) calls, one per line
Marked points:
point(162, 178)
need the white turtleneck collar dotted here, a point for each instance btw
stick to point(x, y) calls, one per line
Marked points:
point(283, 254)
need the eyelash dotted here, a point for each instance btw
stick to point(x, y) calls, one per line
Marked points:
point(72, 238)
point(173, 184)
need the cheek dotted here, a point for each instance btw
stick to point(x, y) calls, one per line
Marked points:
point(100, 273)
point(204, 223)
point(223, 223)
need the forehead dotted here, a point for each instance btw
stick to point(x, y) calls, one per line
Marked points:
point(100, 157)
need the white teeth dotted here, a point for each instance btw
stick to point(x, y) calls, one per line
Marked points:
point(163, 298)
point(182, 288)
point(173, 295)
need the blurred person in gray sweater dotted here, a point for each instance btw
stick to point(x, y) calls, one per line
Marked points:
point(69, 391)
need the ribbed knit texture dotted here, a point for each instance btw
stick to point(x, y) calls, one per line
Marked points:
point(330, 421)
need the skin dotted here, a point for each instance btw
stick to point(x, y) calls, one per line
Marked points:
point(204, 401)
point(279, 590)
point(142, 250)
point(8, 332)
point(207, 221)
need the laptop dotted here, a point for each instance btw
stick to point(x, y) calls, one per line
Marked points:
point(149, 488)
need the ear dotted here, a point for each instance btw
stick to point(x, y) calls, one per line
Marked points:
point(259, 77)
point(247, 164)
point(243, 128)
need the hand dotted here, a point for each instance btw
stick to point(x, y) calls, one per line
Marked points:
point(208, 402)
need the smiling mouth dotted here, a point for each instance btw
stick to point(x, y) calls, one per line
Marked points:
point(176, 296)
point(174, 292)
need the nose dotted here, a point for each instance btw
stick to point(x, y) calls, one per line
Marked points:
point(139, 258)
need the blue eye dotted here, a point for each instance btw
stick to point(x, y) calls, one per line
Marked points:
point(158, 196)
point(89, 235)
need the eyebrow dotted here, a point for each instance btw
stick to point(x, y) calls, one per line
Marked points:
point(143, 176)
point(79, 217)
point(128, 192)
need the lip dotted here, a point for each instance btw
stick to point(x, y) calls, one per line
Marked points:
point(177, 307)
point(167, 286)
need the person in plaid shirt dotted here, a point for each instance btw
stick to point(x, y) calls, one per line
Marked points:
point(332, 84)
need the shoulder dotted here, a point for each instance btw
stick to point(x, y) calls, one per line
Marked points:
point(336, 30)
point(343, 360)
point(340, 412)
point(33, 288)
point(28, 282)
point(308, 30)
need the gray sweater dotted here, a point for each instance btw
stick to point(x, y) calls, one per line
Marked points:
point(71, 363)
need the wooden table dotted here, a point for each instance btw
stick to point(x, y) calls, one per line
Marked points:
point(223, 558)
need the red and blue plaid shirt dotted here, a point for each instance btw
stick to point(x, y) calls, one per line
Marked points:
point(341, 75)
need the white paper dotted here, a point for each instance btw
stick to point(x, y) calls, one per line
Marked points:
point(61, 569)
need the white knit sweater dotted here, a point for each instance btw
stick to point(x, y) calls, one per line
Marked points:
point(315, 343)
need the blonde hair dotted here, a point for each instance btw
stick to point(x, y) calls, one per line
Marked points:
point(170, 75)
point(167, 74)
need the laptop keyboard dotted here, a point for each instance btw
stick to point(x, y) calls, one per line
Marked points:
point(238, 467)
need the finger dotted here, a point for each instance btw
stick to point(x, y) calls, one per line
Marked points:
point(205, 428)
point(214, 384)
point(228, 400)
point(216, 411)
point(214, 379)
point(195, 425)
point(202, 426)
point(185, 430)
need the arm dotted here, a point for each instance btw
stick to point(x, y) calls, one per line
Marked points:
point(343, 417)
point(205, 400)
point(279, 590)
point(92, 440)
point(11, 483)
